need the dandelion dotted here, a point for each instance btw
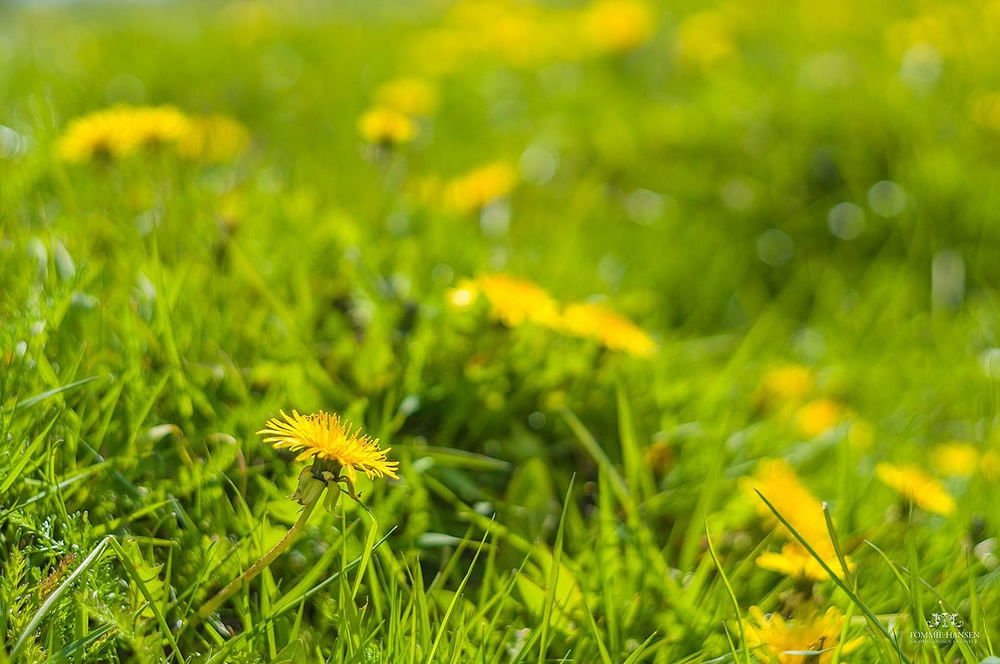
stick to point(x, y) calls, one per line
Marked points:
point(811, 638)
point(480, 186)
point(611, 329)
point(819, 416)
point(618, 25)
point(796, 562)
point(335, 447)
point(956, 458)
point(512, 301)
point(327, 436)
point(117, 132)
point(779, 484)
point(410, 96)
point(911, 483)
point(386, 127)
point(786, 384)
point(213, 138)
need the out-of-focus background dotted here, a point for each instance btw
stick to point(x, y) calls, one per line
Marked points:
point(594, 270)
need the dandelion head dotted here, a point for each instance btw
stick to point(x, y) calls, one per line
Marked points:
point(786, 384)
point(955, 458)
point(120, 131)
point(809, 638)
point(517, 301)
point(818, 416)
point(386, 126)
point(776, 480)
point(327, 436)
point(618, 25)
point(794, 561)
point(480, 186)
point(611, 329)
point(913, 484)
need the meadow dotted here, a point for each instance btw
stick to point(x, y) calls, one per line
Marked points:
point(659, 332)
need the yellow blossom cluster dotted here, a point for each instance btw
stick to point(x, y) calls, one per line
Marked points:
point(121, 131)
point(812, 637)
point(516, 301)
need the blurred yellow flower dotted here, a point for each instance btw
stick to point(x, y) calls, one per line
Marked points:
point(704, 39)
point(781, 486)
point(410, 96)
point(914, 485)
point(480, 186)
point(796, 562)
point(786, 384)
point(213, 138)
point(512, 301)
point(386, 126)
point(955, 458)
point(611, 329)
point(819, 416)
point(120, 131)
point(617, 25)
point(809, 639)
point(326, 436)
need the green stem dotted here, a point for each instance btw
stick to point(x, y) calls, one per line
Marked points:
point(209, 607)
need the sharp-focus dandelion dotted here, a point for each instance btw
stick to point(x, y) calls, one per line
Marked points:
point(329, 437)
point(338, 451)
point(120, 131)
point(914, 485)
point(512, 301)
point(480, 186)
point(386, 127)
point(810, 639)
point(608, 327)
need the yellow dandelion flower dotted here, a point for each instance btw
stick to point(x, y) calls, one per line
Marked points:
point(512, 301)
point(386, 126)
point(819, 416)
point(808, 639)
point(480, 186)
point(411, 96)
point(911, 483)
point(120, 131)
point(618, 25)
point(611, 329)
point(781, 486)
point(786, 384)
point(327, 436)
point(796, 562)
point(955, 458)
point(214, 138)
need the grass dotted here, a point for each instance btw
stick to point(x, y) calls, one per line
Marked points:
point(558, 501)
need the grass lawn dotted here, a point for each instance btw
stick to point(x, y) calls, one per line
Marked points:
point(649, 332)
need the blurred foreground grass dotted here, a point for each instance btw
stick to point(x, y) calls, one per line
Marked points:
point(439, 220)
